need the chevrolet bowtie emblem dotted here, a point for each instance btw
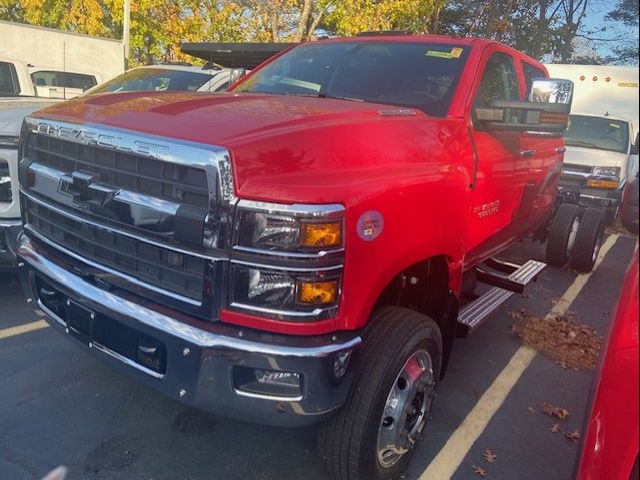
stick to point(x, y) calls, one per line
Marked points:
point(84, 188)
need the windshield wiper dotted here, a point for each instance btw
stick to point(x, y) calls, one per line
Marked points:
point(336, 97)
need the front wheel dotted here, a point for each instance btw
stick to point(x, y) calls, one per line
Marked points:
point(374, 434)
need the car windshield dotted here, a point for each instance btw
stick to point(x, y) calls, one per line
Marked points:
point(597, 132)
point(154, 79)
point(418, 75)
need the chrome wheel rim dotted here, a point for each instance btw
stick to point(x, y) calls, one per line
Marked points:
point(406, 409)
point(572, 235)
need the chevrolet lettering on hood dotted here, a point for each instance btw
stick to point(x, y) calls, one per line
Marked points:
point(90, 137)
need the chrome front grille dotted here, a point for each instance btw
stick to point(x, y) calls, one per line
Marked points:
point(163, 268)
point(135, 173)
point(576, 168)
point(144, 214)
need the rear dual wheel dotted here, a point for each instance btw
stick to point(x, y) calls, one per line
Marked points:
point(375, 432)
point(575, 237)
point(563, 232)
point(588, 240)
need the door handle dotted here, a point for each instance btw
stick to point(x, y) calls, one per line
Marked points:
point(527, 153)
point(561, 149)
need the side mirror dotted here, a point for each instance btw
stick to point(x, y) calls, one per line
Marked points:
point(634, 147)
point(237, 74)
point(547, 109)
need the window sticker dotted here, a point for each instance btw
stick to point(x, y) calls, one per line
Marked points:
point(456, 52)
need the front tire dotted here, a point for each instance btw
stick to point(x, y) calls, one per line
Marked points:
point(375, 432)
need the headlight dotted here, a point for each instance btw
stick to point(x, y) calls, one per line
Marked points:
point(9, 141)
point(604, 177)
point(287, 260)
point(287, 232)
point(606, 172)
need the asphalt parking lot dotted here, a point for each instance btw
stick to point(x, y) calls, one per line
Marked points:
point(60, 406)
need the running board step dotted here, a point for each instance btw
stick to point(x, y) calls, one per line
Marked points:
point(473, 314)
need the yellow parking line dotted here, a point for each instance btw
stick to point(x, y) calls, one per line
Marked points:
point(445, 464)
point(20, 329)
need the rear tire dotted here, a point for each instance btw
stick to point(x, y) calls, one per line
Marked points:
point(562, 234)
point(589, 240)
point(387, 400)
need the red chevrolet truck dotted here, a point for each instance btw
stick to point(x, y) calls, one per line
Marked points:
point(299, 249)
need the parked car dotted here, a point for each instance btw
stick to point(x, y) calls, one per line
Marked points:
point(610, 448)
point(168, 77)
point(293, 251)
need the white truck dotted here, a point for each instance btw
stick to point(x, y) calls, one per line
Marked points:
point(43, 62)
point(602, 139)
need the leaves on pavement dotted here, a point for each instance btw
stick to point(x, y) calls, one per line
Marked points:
point(572, 436)
point(567, 342)
point(489, 456)
point(479, 471)
point(552, 411)
point(555, 428)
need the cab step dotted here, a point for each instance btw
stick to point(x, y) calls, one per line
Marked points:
point(474, 313)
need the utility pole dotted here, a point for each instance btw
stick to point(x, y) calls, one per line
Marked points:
point(126, 21)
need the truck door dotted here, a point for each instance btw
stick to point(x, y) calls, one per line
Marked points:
point(501, 170)
point(546, 152)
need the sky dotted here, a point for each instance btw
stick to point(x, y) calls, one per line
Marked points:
point(595, 19)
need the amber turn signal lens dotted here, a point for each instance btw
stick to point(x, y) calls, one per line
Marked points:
point(321, 234)
point(317, 293)
point(602, 183)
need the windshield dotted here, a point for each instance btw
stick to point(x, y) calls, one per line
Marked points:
point(418, 75)
point(597, 132)
point(154, 79)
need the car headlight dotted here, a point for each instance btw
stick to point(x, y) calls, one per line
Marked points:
point(607, 172)
point(604, 177)
point(287, 260)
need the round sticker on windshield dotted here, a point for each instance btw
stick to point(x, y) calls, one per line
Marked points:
point(370, 225)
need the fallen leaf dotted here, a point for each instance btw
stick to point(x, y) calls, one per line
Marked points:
point(479, 471)
point(572, 436)
point(531, 409)
point(552, 411)
point(563, 365)
point(555, 428)
point(489, 456)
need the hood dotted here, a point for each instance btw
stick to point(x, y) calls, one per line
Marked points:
point(13, 110)
point(223, 119)
point(283, 148)
point(594, 157)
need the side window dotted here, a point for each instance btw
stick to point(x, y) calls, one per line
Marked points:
point(499, 80)
point(223, 87)
point(531, 72)
point(46, 78)
point(8, 79)
point(79, 80)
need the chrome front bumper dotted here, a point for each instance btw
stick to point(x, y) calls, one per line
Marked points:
point(200, 358)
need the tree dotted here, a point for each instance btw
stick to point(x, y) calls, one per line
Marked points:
point(625, 13)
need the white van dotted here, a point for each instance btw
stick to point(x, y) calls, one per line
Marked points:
point(602, 139)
